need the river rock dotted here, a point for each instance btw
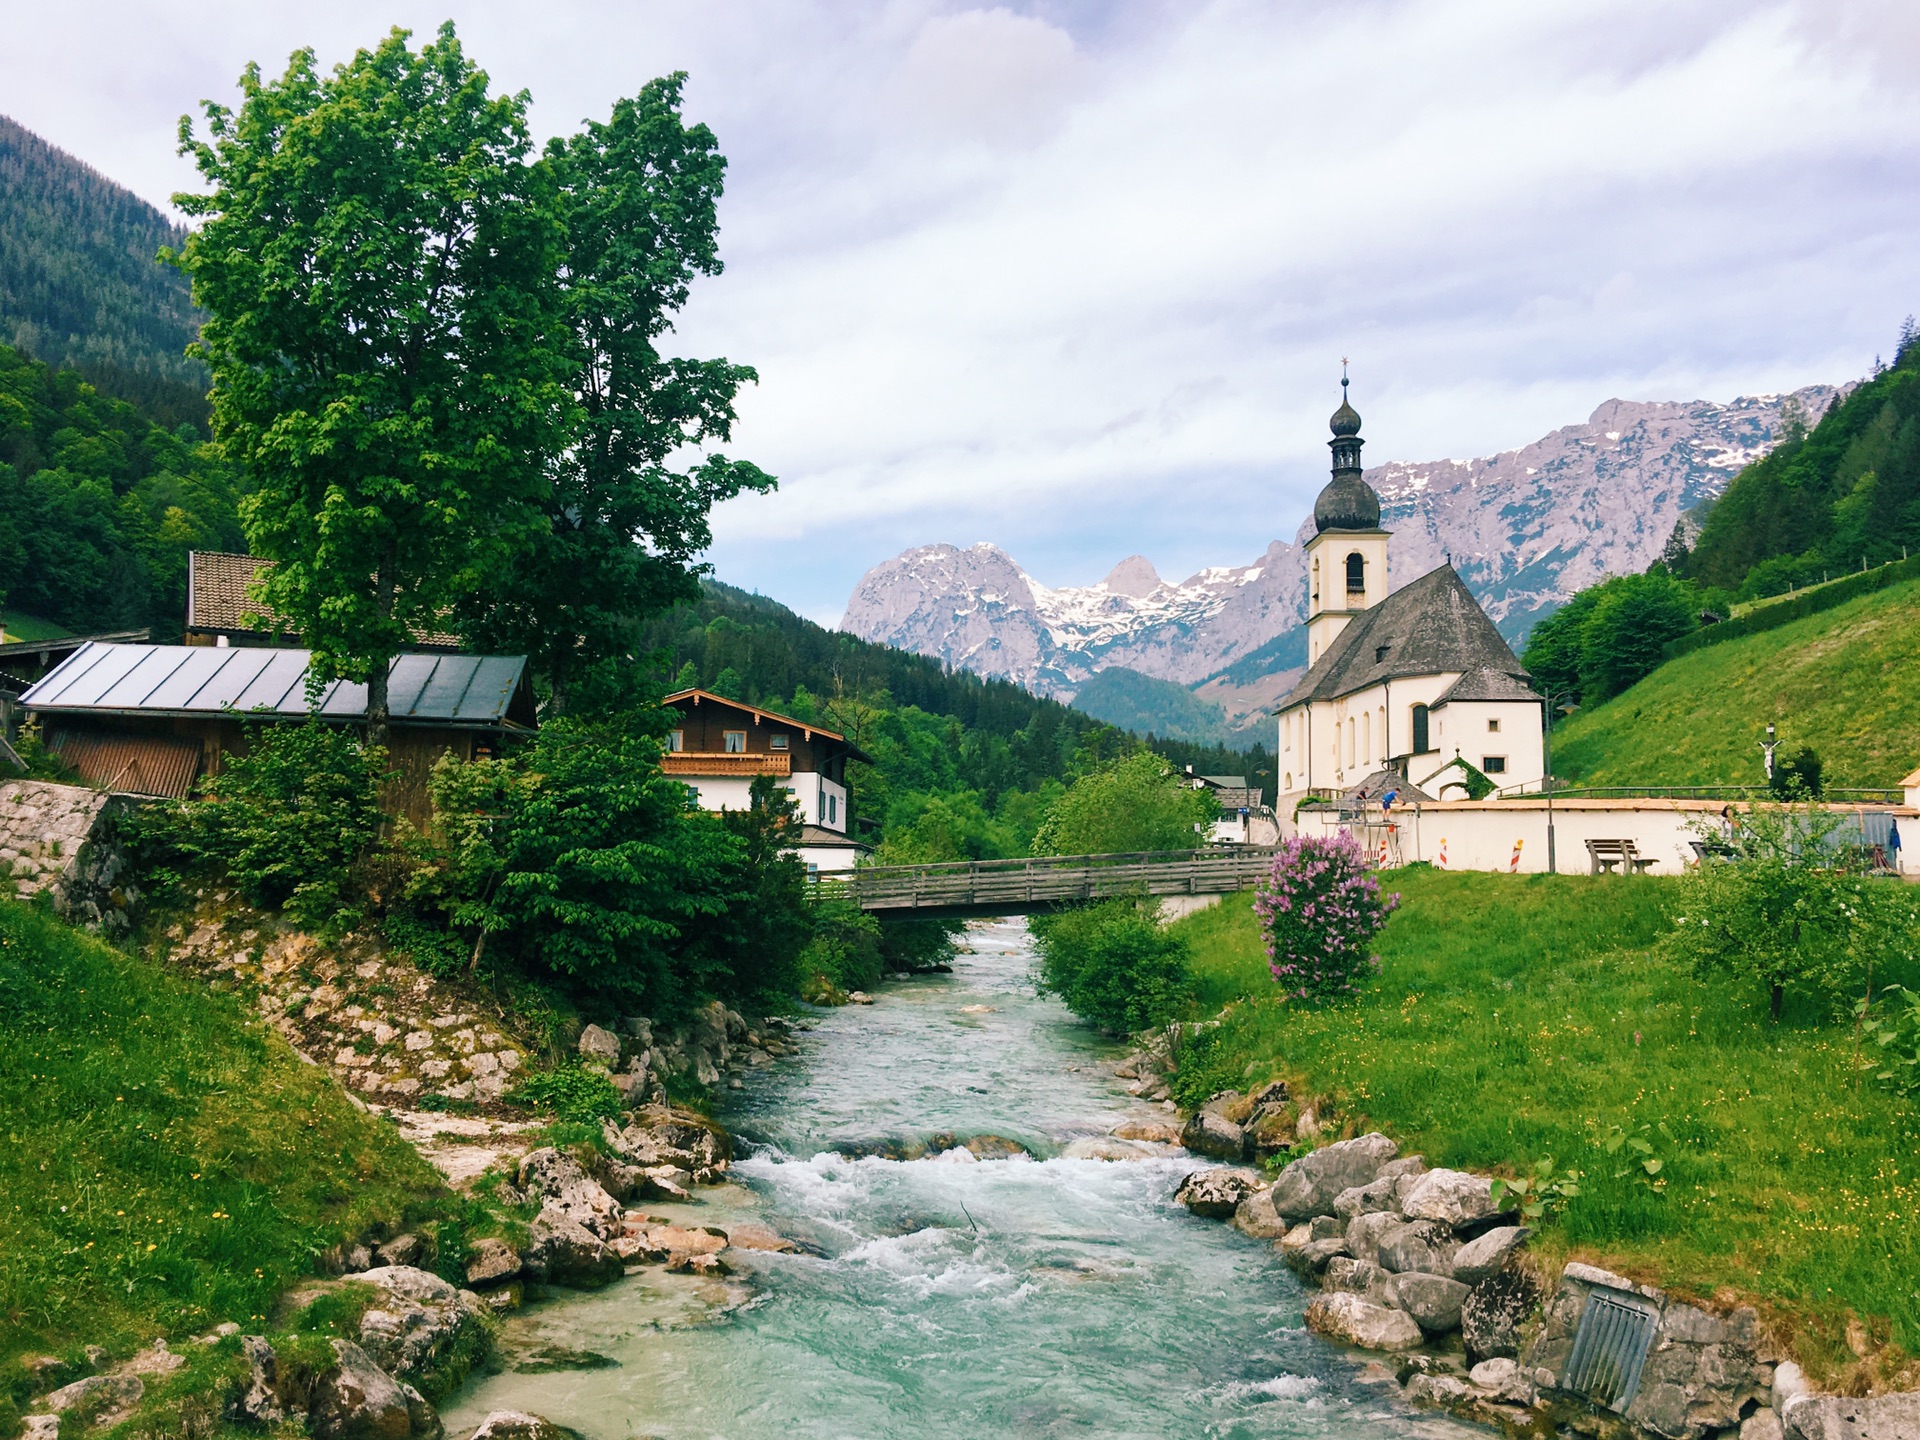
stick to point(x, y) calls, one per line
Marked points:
point(1308, 1186)
point(1495, 1312)
point(1211, 1134)
point(1256, 1216)
point(1365, 1232)
point(662, 1135)
point(97, 1395)
point(558, 1179)
point(565, 1253)
point(1451, 1197)
point(600, 1046)
point(1433, 1300)
point(1370, 1327)
point(1788, 1385)
point(1217, 1193)
point(1836, 1417)
point(1505, 1379)
point(1762, 1425)
point(1312, 1259)
point(1358, 1277)
point(519, 1425)
point(759, 1237)
point(1425, 1245)
point(423, 1327)
point(1106, 1147)
point(491, 1261)
point(1152, 1131)
point(1490, 1254)
point(996, 1147)
point(1376, 1197)
point(357, 1400)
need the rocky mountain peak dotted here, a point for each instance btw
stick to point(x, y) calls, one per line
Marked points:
point(1134, 576)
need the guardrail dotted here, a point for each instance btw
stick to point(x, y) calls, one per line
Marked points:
point(1013, 886)
point(1829, 795)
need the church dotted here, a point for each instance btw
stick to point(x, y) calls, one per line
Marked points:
point(1405, 687)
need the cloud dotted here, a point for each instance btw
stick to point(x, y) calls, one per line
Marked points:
point(1077, 277)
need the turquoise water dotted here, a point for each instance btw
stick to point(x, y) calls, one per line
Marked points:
point(1007, 1298)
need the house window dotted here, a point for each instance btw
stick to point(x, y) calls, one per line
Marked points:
point(1494, 764)
point(776, 742)
point(1493, 727)
point(833, 807)
point(1421, 739)
point(1289, 781)
point(736, 742)
point(676, 741)
point(1356, 572)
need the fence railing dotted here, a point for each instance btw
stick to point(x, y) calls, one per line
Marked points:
point(1829, 795)
point(1048, 880)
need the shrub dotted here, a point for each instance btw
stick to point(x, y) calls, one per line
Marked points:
point(1320, 909)
point(1138, 802)
point(1897, 1033)
point(1114, 964)
point(290, 820)
point(845, 949)
point(572, 1092)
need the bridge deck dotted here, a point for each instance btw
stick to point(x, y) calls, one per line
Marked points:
point(1019, 887)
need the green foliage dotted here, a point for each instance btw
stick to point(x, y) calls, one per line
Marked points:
point(168, 1163)
point(635, 200)
point(99, 505)
point(1783, 909)
point(377, 258)
point(1611, 635)
point(1798, 775)
point(1538, 1194)
point(1135, 803)
point(424, 944)
point(1113, 963)
point(79, 284)
point(578, 1094)
point(1129, 700)
point(1897, 1033)
point(1634, 1149)
point(1526, 1015)
point(845, 948)
point(291, 819)
point(1839, 679)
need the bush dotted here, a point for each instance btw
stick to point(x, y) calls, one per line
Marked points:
point(572, 1092)
point(1138, 802)
point(1114, 964)
point(845, 949)
point(291, 820)
point(1320, 909)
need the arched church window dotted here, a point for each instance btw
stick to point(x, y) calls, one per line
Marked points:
point(1352, 754)
point(1420, 738)
point(1366, 736)
point(1357, 571)
point(1316, 578)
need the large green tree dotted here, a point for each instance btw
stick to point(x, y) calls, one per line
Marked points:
point(636, 201)
point(377, 257)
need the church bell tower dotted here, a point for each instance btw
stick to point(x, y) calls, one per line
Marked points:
point(1347, 556)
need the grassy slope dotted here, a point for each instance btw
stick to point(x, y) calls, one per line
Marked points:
point(1842, 681)
point(1516, 1018)
point(166, 1163)
point(25, 627)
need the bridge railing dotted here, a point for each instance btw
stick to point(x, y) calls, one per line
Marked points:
point(1050, 879)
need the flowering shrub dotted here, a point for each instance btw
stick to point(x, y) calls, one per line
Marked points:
point(1319, 910)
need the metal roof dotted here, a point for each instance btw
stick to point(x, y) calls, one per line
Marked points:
point(212, 680)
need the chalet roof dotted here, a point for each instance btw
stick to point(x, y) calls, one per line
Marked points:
point(1433, 626)
point(1489, 684)
point(818, 837)
point(217, 600)
point(1911, 781)
point(208, 680)
point(686, 699)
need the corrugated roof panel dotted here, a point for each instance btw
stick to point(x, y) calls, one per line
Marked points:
point(495, 679)
point(131, 764)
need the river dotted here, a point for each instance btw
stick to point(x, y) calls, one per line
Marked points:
point(1005, 1298)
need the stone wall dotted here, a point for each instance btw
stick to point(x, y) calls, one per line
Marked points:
point(62, 839)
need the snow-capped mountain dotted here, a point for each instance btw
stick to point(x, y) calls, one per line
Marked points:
point(1525, 529)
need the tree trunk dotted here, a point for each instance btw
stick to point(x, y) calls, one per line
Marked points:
point(1775, 993)
point(377, 711)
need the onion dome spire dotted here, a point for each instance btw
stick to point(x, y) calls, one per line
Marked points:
point(1348, 502)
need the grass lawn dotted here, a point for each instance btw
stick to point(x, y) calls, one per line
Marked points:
point(24, 627)
point(1841, 681)
point(1520, 1017)
point(166, 1162)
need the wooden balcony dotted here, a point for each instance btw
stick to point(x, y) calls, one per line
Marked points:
point(714, 764)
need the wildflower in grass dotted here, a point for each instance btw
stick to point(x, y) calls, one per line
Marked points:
point(1319, 909)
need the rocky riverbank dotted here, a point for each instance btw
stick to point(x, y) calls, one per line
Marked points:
point(1423, 1265)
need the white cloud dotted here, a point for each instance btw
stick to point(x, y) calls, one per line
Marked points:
point(1076, 278)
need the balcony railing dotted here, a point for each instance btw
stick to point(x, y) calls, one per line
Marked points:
point(716, 764)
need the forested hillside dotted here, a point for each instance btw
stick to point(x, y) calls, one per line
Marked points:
point(80, 284)
point(99, 504)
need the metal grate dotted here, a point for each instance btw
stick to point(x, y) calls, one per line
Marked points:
point(1610, 1347)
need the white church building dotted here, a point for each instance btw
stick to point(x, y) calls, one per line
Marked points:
point(1412, 681)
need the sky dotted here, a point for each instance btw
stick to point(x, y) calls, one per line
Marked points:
point(1077, 278)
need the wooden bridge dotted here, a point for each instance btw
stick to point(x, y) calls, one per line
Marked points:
point(966, 889)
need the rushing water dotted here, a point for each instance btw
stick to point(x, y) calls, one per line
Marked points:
point(1005, 1298)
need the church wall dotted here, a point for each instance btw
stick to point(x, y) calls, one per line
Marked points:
point(1464, 725)
point(1387, 731)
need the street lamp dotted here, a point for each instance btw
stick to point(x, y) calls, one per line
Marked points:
point(1552, 700)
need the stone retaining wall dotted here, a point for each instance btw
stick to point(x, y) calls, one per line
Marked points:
point(62, 839)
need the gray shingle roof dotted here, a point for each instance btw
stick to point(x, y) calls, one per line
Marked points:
point(1433, 626)
point(209, 680)
point(1490, 684)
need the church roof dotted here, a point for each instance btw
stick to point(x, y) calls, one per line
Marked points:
point(1487, 683)
point(1433, 626)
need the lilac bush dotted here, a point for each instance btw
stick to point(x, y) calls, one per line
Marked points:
point(1320, 909)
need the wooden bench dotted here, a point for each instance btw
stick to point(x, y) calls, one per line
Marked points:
point(1610, 855)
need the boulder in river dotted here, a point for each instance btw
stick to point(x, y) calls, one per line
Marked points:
point(1256, 1216)
point(557, 1179)
point(519, 1425)
point(1490, 1254)
point(1308, 1186)
point(1106, 1147)
point(491, 1261)
point(1425, 1245)
point(1347, 1317)
point(1155, 1131)
point(1212, 1134)
point(1365, 1232)
point(1494, 1313)
point(1359, 1277)
point(1312, 1259)
point(1839, 1417)
point(423, 1330)
point(564, 1253)
point(1433, 1300)
point(1217, 1193)
point(357, 1400)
